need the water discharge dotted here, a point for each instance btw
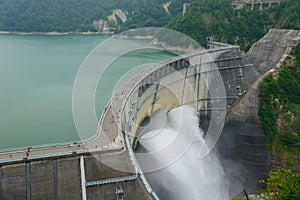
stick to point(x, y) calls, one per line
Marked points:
point(186, 176)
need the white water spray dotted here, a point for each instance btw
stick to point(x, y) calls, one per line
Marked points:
point(185, 176)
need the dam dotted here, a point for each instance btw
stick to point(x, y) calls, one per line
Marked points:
point(221, 83)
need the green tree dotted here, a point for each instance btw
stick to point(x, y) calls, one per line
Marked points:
point(282, 184)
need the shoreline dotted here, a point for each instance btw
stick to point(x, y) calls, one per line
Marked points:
point(155, 41)
point(54, 33)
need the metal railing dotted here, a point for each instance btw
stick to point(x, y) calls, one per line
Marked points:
point(111, 180)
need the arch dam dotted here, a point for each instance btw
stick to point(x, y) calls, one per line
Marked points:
point(105, 166)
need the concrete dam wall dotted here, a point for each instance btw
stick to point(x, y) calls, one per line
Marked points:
point(60, 178)
point(186, 80)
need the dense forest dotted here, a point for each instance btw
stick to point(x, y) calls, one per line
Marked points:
point(78, 15)
point(243, 27)
point(58, 15)
point(203, 18)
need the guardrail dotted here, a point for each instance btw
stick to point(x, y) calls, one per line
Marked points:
point(60, 154)
point(111, 180)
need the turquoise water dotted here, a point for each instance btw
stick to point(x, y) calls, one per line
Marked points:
point(37, 74)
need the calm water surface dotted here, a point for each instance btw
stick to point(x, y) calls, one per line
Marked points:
point(37, 73)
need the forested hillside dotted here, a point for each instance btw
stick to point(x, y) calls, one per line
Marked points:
point(203, 18)
point(153, 14)
point(59, 15)
point(245, 26)
point(78, 15)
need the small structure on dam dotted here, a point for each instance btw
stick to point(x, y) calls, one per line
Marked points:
point(261, 4)
point(218, 83)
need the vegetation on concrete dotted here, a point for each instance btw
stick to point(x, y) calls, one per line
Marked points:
point(238, 198)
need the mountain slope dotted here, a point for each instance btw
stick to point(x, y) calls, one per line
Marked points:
point(243, 27)
point(59, 15)
point(203, 18)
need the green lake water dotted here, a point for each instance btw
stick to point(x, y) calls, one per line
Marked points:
point(37, 74)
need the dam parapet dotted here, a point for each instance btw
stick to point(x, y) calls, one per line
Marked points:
point(185, 80)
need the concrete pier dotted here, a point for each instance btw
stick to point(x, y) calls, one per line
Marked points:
point(82, 172)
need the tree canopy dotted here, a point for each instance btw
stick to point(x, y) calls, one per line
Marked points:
point(282, 184)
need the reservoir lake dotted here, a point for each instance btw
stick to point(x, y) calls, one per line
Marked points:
point(37, 74)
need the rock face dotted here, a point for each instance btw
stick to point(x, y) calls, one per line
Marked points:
point(184, 8)
point(117, 13)
point(101, 25)
point(166, 6)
